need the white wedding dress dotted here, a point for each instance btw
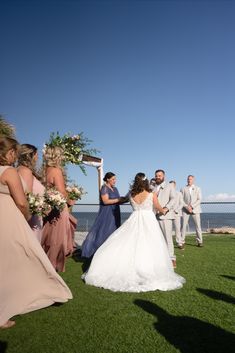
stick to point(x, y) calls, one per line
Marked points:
point(135, 257)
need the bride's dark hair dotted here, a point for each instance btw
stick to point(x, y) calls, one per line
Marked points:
point(139, 184)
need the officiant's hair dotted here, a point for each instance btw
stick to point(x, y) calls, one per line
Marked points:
point(139, 184)
point(108, 175)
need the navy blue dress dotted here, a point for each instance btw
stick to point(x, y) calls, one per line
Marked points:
point(106, 222)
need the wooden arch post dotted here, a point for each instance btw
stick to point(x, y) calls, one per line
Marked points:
point(95, 162)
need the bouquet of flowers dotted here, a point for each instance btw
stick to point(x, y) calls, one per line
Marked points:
point(37, 204)
point(74, 147)
point(54, 199)
point(75, 192)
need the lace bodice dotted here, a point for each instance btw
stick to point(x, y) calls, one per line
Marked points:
point(147, 204)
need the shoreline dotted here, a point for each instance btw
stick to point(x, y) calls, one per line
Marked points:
point(79, 236)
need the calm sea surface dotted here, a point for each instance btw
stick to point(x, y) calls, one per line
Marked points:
point(208, 220)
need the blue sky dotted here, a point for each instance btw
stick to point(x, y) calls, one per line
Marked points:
point(151, 83)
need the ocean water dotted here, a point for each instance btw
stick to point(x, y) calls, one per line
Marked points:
point(208, 220)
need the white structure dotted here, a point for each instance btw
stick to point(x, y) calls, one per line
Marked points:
point(97, 163)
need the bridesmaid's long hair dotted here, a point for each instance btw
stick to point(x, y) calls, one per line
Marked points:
point(139, 184)
point(7, 144)
point(26, 157)
point(53, 157)
point(26, 154)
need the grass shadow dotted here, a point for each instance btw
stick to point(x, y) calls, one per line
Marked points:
point(228, 277)
point(76, 256)
point(217, 295)
point(3, 346)
point(188, 334)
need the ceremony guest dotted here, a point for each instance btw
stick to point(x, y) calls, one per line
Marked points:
point(166, 197)
point(28, 280)
point(178, 214)
point(135, 257)
point(108, 218)
point(27, 160)
point(58, 231)
point(192, 207)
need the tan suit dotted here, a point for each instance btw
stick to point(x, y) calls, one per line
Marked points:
point(166, 197)
point(193, 199)
point(178, 214)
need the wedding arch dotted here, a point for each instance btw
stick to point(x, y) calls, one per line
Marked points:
point(97, 163)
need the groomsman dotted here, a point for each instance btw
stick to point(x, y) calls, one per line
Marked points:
point(192, 207)
point(178, 214)
point(166, 197)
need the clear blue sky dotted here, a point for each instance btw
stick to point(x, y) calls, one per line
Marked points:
point(150, 82)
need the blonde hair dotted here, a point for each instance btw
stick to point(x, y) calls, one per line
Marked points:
point(26, 156)
point(7, 144)
point(53, 156)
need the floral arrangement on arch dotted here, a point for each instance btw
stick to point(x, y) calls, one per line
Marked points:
point(74, 146)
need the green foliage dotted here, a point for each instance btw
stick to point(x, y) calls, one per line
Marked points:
point(197, 318)
point(74, 146)
point(6, 129)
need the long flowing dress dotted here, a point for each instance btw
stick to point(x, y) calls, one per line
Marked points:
point(58, 237)
point(28, 281)
point(36, 221)
point(106, 222)
point(135, 257)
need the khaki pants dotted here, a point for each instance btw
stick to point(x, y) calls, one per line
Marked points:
point(166, 227)
point(177, 226)
point(197, 222)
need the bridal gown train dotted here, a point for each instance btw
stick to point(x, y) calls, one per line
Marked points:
point(135, 257)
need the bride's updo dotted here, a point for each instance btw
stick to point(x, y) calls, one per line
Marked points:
point(139, 184)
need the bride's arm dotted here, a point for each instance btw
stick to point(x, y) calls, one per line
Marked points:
point(107, 201)
point(157, 205)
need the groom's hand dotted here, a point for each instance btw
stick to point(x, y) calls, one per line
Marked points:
point(166, 210)
point(123, 199)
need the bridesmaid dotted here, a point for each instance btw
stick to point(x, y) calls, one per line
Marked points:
point(108, 218)
point(27, 159)
point(58, 231)
point(28, 280)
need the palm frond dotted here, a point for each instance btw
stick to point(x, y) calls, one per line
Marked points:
point(6, 129)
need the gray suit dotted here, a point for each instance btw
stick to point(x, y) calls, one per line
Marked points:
point(166, 197)
point(193, 199)
point(178, 214)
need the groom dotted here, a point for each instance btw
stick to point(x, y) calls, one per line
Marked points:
point(166, 196)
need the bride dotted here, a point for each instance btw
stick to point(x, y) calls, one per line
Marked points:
point(135, 257)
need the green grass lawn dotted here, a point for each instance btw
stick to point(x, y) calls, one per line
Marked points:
point(197, 318)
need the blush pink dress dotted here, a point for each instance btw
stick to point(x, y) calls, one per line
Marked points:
point(36, 222)
point(28, 281)
point(58, 237)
